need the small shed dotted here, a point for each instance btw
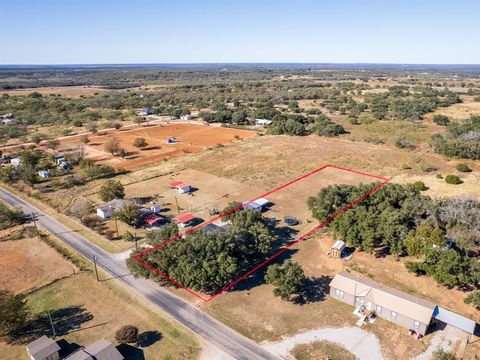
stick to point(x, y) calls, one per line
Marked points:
point(15, 161)
point(183, 188)
point(171, 140)
point(257, 205)
point(186, 117)
point(262, 122)
point(43, 173)
point(146, 111)
point(337, 249)
point(153, 220)
point(58, 159)
point(44, 348)
point(185, 219)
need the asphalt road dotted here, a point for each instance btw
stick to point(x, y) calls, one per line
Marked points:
point(211, 330)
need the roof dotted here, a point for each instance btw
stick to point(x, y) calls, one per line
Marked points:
point(182, 185)
point(152, 218)
point(79, 355)
point(455, 320)
point(184, 218)
point(255, 204)
point(262, 201)
point(339, 244)
point(113, 205)
point(175, 183)
point(400, 302)
point(42, 347)
point(103, 350)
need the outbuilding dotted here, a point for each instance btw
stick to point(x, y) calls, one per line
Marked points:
point(15, 161)
point(337, 249)
point(44, 173)
point(181, 187)
point(185, 219)
point(257, 204)
point(44, 348)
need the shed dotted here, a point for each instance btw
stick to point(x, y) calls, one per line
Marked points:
point(257, 205)
point(43, 173)
point(183, 188)
point(15, 161)
point(153, 220)
point(44, 348)
point(58, 159)
point(337, 249)
point(263, 122)
point(184, 219)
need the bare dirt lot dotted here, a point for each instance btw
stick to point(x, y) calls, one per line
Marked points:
point(28, 263)
point(190, 138)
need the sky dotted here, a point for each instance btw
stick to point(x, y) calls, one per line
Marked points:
point(239, 31)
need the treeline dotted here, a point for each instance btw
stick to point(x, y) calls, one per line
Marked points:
point(462, 140)
point(207, 262)
point(398, 220)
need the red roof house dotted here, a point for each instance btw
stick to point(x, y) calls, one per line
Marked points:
point(185, 218)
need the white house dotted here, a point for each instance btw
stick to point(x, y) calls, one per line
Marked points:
point(15, 161)
point(7, 121)
point(106, 210)
point(181, 187)
point(186, 117)
point(146, 111)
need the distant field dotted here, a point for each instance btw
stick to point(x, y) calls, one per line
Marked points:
point(68, 91)
point(191, 138)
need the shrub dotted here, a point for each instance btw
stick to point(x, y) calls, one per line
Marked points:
point(453, 179)
point(463, 167)
point(91, 221)
point(128, 236)
point(140, 143)
point(109, 234)
point(127, 334)
point(439, 176)
point(441, 120)
point(420, 186)
point(112, 190)
point(403, 143)
point(473, 299)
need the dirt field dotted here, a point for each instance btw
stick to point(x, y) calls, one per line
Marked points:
point(68, 91)
point(191, 138)
point(28, 263)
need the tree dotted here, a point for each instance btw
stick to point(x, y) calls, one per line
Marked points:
point(424, 237)
point(9, 217)
point(38, 138)
point(140, 143)
point(13, 312)
point(112, 145)
point(111, 190)
point(139, 120)
point(128, 214)
point(420, 186)
point(127, 334)
point(128, 236)
point(286, 278)
point(473, 299)
point(92, 127)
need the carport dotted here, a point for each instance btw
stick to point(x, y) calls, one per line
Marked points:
point(458, 321)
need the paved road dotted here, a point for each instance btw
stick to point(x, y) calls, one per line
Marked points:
point(211, 330)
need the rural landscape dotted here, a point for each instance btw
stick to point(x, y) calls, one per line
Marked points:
point(229, 210)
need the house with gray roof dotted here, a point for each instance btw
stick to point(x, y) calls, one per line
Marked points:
point(395, 306)
point(100, 350)
point(44, 348)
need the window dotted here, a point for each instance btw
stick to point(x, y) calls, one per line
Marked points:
point(379, 309)
point(360, 300)
point(416, 324)
point(338, 293)
point(393, 315)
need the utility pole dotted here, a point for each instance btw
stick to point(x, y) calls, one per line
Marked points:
point(176, 201)
point(135, 238)
point(95, 267)
point(34, 223)
point(51, 323)
point(116, 226)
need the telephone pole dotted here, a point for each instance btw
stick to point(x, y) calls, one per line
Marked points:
point(51, 324)
point(32, 215)
point(95, 267)
point(176, 201)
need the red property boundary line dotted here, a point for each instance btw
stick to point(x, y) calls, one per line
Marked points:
point(139, 256)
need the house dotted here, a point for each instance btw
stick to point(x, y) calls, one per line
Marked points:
point(44, 348)
point(337, 249)
point(387, 303)
point(180, 187)
point(15, 161)
point(185, 219)
point(186, 117)
point(146, 111)
point(171, 140)
point(153, 220)
point(7, 118)
point(257, 205)
point(106, 210)
point(262, 122)
point(44, 173)
point(63, 165)
point(100, 350)
point(212, 228)
point(390, 304)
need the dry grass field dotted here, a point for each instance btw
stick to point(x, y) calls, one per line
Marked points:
point(83, 309)
point(28, 263)
point(67, 91)
point(322, 350)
